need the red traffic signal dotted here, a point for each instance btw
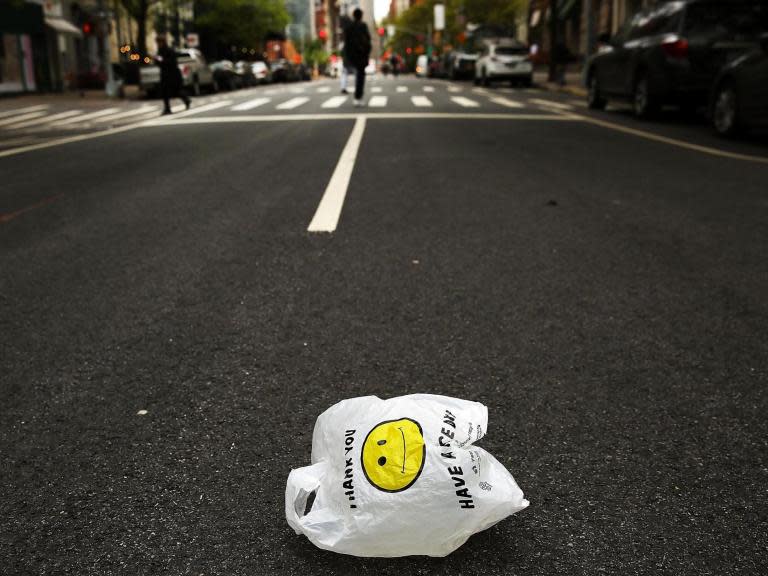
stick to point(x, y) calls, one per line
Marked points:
point(322, 34)
point(380, 31)
point(87, 28)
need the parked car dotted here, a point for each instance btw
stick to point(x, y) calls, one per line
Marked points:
point(244, 70)
point(283, 71)
point(462, 65)
point(740, 94)
point(225, 75)
point(195, 73)
point(504, 59)
point(671, 54)
point(261, 72)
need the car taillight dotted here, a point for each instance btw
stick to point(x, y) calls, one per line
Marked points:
point(185, 70)
point(675, 47)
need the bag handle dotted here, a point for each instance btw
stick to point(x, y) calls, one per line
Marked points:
point(301, 483)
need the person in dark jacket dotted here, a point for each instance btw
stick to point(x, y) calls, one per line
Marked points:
point(171, 81)
point(357, 49)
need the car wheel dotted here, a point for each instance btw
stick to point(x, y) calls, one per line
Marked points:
point(595, 100)
point(725, 111)
point(643, 103)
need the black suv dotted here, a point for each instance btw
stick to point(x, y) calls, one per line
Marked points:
point(671, 54)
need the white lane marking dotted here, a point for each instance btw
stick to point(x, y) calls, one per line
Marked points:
point(203, 108)
point(44, 119)
point(402, 88)
point(80, 118)
point(129, 113)
point(251, 104)
point(377, 102)
point(21, 118)
point(429, 88)
point(323, 89)
point(506, 102)
point(334, 102)
point(326, 217)
point(297, 90)
point(67, 140)
point(376, 89)
point(454, 89)
point(26, 109)
point(551, 104)
point(293, 103)
point(421, 101)
point(352, 116)
point(465, 102)
point(479, 90)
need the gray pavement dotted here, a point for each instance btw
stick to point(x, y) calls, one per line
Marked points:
point(598, 282)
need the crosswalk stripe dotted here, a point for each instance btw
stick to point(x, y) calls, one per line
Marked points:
point(506, 102)
point(26, 109)
point(91, 116)
point(429, 88)
point(129, 113)
point(293, 103)
point(421, 101)
point(377, 102)
point(402, 88)
point(44, 119)
point(376, 89)
point(203, 108)
point(15, 119)
point(465, 102)
point(551, 104)
point(324, 90)
point(334, 102)
point(454, 89)
point(251, 104)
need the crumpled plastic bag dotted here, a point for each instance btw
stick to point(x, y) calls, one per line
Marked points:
point(399, 477)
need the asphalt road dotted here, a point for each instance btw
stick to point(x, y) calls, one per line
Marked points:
point(600, 286)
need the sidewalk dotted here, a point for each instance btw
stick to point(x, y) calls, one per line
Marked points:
point(573, 82)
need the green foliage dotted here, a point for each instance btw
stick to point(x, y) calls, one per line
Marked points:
point(241, 22)
point(497, 13)
point(316, 54)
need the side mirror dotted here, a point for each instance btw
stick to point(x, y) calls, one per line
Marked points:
point(604, 38)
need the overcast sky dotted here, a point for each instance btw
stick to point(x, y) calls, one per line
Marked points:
point(380, 9)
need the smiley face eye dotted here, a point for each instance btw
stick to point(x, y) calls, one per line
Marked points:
point(381, 442)
point(382, 460)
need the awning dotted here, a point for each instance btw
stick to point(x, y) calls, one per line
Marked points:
point(63, 26)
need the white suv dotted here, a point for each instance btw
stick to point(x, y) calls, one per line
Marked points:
point(504, 59)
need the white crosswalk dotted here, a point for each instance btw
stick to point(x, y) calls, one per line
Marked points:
point(465, 102)
point(376, 89)
point(323, 89)
point(83, 117)
point(501, 101)
point(402, 88)
point(24, 110)
point(293, 103)
point(251, 104)
point(421, 101)
point(44, 119)
point(334, 102)
point(377, 102)
point(429, 88)
point(27, 116)
point(128, 114)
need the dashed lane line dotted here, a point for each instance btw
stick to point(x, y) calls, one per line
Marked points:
point(326, 218)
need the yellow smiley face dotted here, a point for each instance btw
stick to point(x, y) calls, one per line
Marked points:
point(393, 454)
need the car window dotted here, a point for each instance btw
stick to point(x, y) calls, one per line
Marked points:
point(511, 50)
point(736, 20)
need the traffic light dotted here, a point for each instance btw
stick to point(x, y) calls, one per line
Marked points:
point(87, 28)
point(380, 31)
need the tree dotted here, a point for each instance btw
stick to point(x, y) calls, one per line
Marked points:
point(500, 14)
point(138, 10)
point(241, 22)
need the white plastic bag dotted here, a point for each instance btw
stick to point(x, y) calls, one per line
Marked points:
point(399, 477)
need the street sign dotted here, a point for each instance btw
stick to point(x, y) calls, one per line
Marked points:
point(439, 17)
point(193, 40)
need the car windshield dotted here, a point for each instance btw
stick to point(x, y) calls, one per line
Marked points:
point(738, 20)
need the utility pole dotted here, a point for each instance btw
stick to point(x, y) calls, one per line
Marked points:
point(106, 55)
